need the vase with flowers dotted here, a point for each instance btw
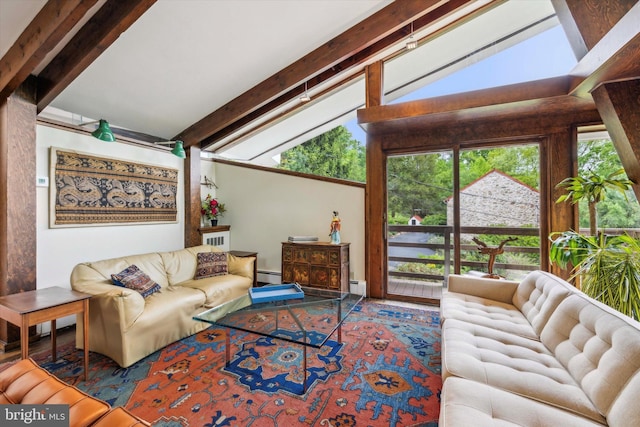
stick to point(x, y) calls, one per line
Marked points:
point(212, 209)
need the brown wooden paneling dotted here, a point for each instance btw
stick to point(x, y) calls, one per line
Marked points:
point(104, 27)
point(192, 215)
point(17, 198)
point(45, 31)
point(619, 106)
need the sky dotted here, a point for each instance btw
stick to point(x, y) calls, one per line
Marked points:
point(545, 55)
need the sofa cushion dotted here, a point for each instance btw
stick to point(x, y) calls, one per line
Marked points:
point(470, 403)
point(486, 312)
point(134, 278)
point(219, 289)
point(180, 266)
point(151, 264)
point(538, 295)
point(512, 363)
point(211, 264)
point(598, 346)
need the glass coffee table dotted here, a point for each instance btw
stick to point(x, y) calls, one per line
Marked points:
point(298, 317)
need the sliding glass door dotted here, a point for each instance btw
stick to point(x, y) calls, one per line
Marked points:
point(486, 225)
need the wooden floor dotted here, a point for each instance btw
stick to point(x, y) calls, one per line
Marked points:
point(64, 336)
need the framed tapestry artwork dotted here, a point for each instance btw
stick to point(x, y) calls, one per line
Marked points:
point(88, 190)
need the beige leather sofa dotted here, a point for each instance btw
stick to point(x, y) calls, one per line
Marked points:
point(128, 327)
point(536, 353)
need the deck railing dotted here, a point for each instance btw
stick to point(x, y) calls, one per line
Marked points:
point(446, 248)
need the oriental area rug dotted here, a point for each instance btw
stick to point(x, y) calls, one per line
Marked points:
point(386, 372)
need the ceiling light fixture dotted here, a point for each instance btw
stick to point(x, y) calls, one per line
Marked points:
point(412, 43)
point(178, 149)
point(103, 132)
point(305, 96)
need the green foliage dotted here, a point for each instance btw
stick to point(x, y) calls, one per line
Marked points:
point(519, 162)
point(618, 210)
point(411, 187)
point(435, 219)
point(608, 267)
point(334, 154)
point(398, 220)
point(594, 187)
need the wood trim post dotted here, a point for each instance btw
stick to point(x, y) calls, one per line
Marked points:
point(375, 192)
point(561, 151)
point(192, 197)
point(17, 199)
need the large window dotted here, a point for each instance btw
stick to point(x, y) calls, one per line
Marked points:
point(597, 156)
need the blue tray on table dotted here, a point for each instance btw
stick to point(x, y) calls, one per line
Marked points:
point(270, 293)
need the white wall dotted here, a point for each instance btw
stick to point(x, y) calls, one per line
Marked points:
point(265, 208)
point(60, 249)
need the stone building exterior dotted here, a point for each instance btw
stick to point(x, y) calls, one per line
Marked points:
point(497, 199)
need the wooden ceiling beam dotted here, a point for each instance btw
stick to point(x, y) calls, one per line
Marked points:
point(44, 32)
point(359, 59)
point(577, 20)
point(492, 98)
point(615, 57)
point(356, 39)
point(104, 28)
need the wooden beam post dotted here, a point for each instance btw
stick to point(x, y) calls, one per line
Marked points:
point(192, 214)
point(375, 217)
point(17, 200)
point(560, 149)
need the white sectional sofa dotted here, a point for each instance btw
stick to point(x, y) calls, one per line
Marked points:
point(536, 353)
point(126, 326)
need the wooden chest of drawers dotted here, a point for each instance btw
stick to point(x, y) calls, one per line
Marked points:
point(317, 264)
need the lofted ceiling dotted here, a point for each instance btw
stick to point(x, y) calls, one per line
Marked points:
point(226, 75)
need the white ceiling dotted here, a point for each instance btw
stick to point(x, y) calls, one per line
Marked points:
point(185, 59)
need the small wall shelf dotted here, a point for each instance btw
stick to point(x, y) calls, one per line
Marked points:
point(214, 229)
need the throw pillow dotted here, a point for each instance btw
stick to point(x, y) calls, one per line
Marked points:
point(211, 264)
point(134, 278)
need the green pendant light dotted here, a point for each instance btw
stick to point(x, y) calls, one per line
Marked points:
point(104, 132)
point(178, 150)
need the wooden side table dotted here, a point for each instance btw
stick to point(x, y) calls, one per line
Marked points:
point(30, 308)
point(243, 254)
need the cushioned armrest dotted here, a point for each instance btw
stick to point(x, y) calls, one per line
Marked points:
point(118, 306)
point(242, 266)
point(497, 290)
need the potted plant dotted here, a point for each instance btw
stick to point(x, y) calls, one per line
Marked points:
point(608, 267)
point(212, 209)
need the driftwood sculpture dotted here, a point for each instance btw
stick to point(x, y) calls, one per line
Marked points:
point(493, 252)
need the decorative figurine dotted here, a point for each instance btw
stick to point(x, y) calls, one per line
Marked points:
point(335, 229)
point(492, 252)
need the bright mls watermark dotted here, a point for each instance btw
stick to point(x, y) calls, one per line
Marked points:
point(34, 415)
